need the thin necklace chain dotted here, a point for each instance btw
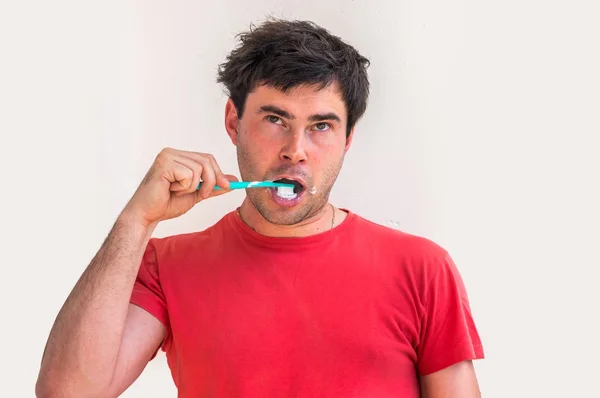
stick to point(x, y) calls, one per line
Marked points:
point(333, 217)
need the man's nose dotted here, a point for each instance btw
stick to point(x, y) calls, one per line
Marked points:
point(295, 148)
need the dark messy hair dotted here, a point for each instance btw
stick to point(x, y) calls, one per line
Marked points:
point(285, 54)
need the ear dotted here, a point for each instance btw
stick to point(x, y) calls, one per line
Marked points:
point(231, 121)
point(349, 140)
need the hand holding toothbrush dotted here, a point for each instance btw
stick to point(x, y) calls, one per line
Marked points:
point(171, 186)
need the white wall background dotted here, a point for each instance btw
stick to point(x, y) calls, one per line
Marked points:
point(482, 134)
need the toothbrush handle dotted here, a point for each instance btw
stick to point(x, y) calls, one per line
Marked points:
point(254, 184)
point(232, 185)
point(216, 187)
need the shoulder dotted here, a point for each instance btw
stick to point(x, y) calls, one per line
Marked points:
point(189, 242)
point(398, 241)
point(406, 252)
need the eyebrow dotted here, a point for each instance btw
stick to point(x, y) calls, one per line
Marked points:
point(324, 116)
point(313, 118)
point(275, 110)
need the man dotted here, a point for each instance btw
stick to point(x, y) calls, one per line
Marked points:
point(287, 295)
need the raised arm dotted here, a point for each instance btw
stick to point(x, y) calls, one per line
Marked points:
point(100, 343)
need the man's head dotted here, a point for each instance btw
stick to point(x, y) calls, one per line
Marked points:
point(296, 93)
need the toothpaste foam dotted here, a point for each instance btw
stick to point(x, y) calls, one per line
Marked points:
point(286, 193)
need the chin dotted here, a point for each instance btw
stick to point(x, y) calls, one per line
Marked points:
point(282, 210)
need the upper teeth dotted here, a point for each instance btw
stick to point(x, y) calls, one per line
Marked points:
point(286, 192)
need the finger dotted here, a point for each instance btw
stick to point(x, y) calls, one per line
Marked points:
point(180, 176)
point(208, 179)
point(197, 169)
point(231, 178)
point(221, 179)
point(218, 192)
point(208, 162)
point(210, 167)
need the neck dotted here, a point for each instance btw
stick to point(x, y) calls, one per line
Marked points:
point(320, 222)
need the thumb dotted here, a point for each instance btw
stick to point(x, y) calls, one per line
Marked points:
point(231, 177)
point(221, 183)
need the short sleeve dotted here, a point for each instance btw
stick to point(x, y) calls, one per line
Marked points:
point(448, 333)
point(147, 291)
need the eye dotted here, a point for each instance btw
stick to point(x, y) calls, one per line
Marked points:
point(274, 119)
point(322, 126)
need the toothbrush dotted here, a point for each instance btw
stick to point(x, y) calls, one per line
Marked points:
point(253, 184)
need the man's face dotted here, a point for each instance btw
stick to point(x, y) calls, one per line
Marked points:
point(299, 136)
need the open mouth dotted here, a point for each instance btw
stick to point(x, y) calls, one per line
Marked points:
point(289, 193)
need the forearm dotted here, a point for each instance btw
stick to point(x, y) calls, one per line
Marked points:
point(83, 347)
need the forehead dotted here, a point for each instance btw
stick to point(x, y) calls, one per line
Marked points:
point(301, 101)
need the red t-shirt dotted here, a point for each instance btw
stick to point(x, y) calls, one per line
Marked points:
point(357, 311)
